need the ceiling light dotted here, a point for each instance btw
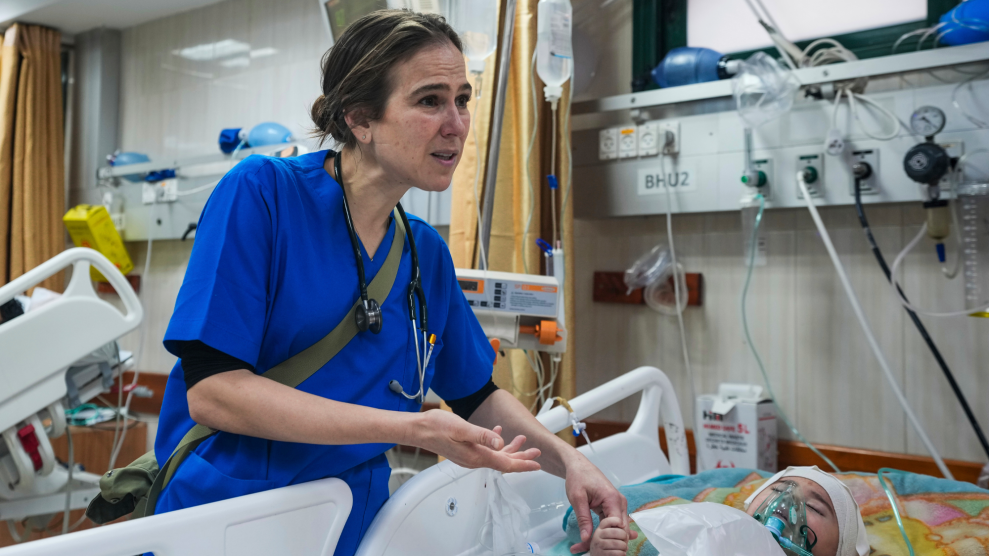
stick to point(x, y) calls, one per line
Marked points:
point(239, 62)
point(213, 50)
point(262, 52)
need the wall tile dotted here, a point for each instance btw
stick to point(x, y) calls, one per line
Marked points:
point(174, 106)
point(821, 367)
point(962, 342)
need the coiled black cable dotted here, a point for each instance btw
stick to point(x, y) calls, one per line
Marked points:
point(916, 321)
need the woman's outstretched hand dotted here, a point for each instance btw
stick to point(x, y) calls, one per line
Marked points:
point(470, 446)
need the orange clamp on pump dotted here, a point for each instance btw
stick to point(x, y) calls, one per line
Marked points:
point(496, 346)
point(545, 332)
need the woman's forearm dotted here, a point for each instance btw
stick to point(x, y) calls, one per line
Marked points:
point(242, 402)
point(501, 408)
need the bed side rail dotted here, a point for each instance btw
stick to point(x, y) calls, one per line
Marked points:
point(37, 347)
point(441, 510)
point(658, 400)
point(300, 519)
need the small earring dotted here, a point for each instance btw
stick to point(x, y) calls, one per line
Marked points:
point(363, 136)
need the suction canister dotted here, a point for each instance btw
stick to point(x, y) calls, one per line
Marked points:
point(973, 204)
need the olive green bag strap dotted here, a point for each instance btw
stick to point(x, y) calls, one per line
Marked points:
point(296, 369)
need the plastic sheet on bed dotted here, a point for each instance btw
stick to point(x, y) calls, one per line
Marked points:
point(705, 529)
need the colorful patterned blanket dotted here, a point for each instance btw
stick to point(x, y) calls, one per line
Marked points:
point(941, 517)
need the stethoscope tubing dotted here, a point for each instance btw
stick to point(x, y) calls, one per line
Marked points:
point(415, 289)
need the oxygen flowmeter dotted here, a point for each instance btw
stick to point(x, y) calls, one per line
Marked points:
point(927, 163)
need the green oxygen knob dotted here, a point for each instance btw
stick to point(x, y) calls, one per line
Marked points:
point(754, 178)
point(810, 175)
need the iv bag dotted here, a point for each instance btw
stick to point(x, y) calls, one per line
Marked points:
point(763, 90)
point(554, 45)
point(476, 21)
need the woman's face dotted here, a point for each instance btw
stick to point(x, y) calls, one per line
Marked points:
point(420, 138)
point(820, 513)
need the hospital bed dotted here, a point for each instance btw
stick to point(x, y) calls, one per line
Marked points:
point(45, 368)
point(438, 512)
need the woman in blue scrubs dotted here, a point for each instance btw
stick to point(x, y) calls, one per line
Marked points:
point(273, 270)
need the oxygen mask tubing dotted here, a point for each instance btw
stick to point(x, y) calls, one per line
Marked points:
point(784, 513)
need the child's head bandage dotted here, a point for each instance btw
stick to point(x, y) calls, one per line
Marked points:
point(852, 538)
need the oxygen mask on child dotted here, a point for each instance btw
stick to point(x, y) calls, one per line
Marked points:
point(784, 513)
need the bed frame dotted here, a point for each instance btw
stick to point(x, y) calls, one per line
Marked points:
point(438, 512)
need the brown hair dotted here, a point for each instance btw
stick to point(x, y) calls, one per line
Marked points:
point(356, 69)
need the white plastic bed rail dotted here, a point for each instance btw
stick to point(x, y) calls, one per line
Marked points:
point(438, 512)
point(36, 348)
point(304, 519)
point(441, 510)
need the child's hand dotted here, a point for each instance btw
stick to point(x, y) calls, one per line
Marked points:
point(609, 539)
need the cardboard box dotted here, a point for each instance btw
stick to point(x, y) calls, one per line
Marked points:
point(737, 429)
point(91, 226)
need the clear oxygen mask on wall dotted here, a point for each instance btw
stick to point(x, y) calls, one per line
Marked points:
point(654, 272)
point(784, 513)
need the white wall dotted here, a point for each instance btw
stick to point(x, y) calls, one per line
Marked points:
point(826, 377)
point(174, 106)
point(730, 26)
point(821, 368)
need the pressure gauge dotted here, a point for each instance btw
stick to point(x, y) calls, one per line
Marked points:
point(927, 121)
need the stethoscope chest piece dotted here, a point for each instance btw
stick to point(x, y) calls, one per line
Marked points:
point(368, 316)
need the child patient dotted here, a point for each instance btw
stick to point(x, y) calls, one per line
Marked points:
point(832, 515)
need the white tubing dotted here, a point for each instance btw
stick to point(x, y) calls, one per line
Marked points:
point(889, 136)
point(951, 274)
point(528, 169)
point(840, 269)
point(483, 262)
point(898, 261)
point(678, 301)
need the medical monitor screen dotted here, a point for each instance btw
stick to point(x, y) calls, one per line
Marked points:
point(469, 285)
point(341, 13)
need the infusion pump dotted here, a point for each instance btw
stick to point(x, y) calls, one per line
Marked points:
point(522, 311)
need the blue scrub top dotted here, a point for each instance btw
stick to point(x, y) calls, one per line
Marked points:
point(272, 272)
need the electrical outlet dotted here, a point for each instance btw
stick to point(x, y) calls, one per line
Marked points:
point(165, 191)
point(649, 141)
point(813, 167)
point(628, 142)
point(170, 190)
point(608, 144)
point(870, 185)
point(148, 193)
point(674, 146)
point(119, 221)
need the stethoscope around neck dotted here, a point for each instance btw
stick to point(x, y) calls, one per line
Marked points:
point(368, 314)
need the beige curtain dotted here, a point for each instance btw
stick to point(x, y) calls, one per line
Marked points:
point(513, 200)
point(32, 194)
